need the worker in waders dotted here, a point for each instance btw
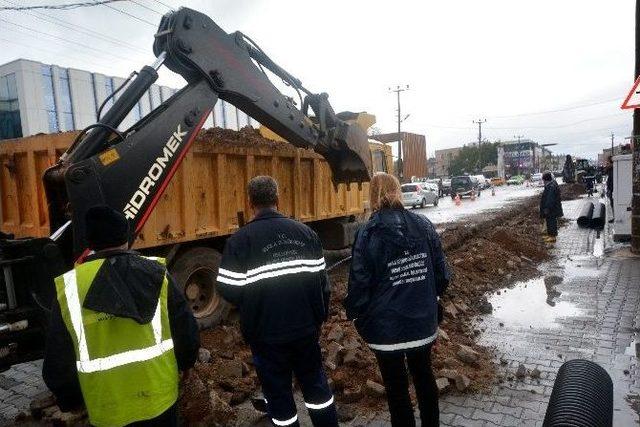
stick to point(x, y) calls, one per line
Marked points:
point(120, 332)
point(550, 206)
point(273, 270)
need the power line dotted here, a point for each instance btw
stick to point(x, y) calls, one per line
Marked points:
point(164, 4)
point(559, 110)
point(78, 28)
point(131, 15)
point(63, 39)
point(146, 7)
point(67, 6)
point(618, 114)
point(49, 51)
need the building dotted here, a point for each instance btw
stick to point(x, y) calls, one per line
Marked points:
point(431, 167)
point(443, 160)
point(522, 156)
point(42, 98)
point(414, 152)
point(617, 150)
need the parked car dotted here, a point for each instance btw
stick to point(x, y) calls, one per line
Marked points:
point(438, 183)
point(536, 179)
point(515, 180)
point(419, 194)
point(464, 186)
point(446, 186)
point(496, 181)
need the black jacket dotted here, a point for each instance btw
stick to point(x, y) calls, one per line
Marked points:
point(609, 173)
point(550, 202)
point(126, 285)
point(397, 271)
point(273, 270)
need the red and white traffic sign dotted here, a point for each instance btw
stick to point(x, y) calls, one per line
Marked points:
point(633, 99)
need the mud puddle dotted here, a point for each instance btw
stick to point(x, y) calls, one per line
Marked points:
point(532, 304)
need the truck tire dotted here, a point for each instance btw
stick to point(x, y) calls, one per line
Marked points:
point(195, 272)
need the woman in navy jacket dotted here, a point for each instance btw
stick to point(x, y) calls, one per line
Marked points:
point(398, 271)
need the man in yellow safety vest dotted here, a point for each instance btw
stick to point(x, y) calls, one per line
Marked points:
point(120, 332)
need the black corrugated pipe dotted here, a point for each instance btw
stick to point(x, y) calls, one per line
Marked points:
point(582, 396)
point(584, 220)
point(599, 216)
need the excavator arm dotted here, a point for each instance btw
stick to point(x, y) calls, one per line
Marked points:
point(130, 170)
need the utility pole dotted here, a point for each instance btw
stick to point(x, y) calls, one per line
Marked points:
point(612, 143)
point(398, 90)
point(635, 200)
point(479, 123)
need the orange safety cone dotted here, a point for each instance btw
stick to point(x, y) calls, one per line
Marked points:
point(457, 200)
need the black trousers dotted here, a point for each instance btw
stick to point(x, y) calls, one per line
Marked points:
point(393, 366)
point(275, 364)
point(168, 418)
point(552, 226)
point(610, 196)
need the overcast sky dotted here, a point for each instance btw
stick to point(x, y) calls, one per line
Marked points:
point(553, 71)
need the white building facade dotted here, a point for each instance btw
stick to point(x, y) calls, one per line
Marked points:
point(42, 98)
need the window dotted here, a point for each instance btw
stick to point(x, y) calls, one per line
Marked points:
point(10, 124)
point(108, 88)
point(65, 101)
point(154, 96)
point(137, 112)
point(95, 93)
point(49, 99)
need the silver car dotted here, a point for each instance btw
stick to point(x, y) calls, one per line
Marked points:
point(419, 194)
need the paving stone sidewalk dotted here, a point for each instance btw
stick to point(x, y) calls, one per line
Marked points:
point(601, 293)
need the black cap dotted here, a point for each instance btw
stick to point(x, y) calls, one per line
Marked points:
point(106, 228)
point(547, 176)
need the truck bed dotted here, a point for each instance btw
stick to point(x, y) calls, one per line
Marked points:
point(206, 197)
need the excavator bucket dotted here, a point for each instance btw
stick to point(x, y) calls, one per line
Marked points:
point(348, 154)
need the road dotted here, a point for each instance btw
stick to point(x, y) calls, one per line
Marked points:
point(447, 211)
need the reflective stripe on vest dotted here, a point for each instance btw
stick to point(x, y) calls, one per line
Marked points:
point(86, 364)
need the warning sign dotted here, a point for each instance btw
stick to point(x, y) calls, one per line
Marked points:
point(633, 99)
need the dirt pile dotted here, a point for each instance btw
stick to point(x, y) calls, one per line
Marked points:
point(243, 138)
point(483, 255)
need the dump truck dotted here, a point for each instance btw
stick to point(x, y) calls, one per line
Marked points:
point(182, 197)
point(204, 203)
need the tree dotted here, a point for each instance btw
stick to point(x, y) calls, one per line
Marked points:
point(472, 159)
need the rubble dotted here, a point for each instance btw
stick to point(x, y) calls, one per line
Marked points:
point(467, 354)
point(535, 373)
point(443, 384)
point(521, 372)
point(375, 389)
point(204, 355)
point(460, 364)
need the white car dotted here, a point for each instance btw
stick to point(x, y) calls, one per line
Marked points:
point(536, 179)
point(419, 194)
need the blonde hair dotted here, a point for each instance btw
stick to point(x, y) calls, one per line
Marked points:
point(384, 192)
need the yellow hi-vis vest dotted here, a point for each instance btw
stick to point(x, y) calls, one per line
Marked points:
point(127, 371)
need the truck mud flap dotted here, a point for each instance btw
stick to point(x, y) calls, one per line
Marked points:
point(26, 292)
